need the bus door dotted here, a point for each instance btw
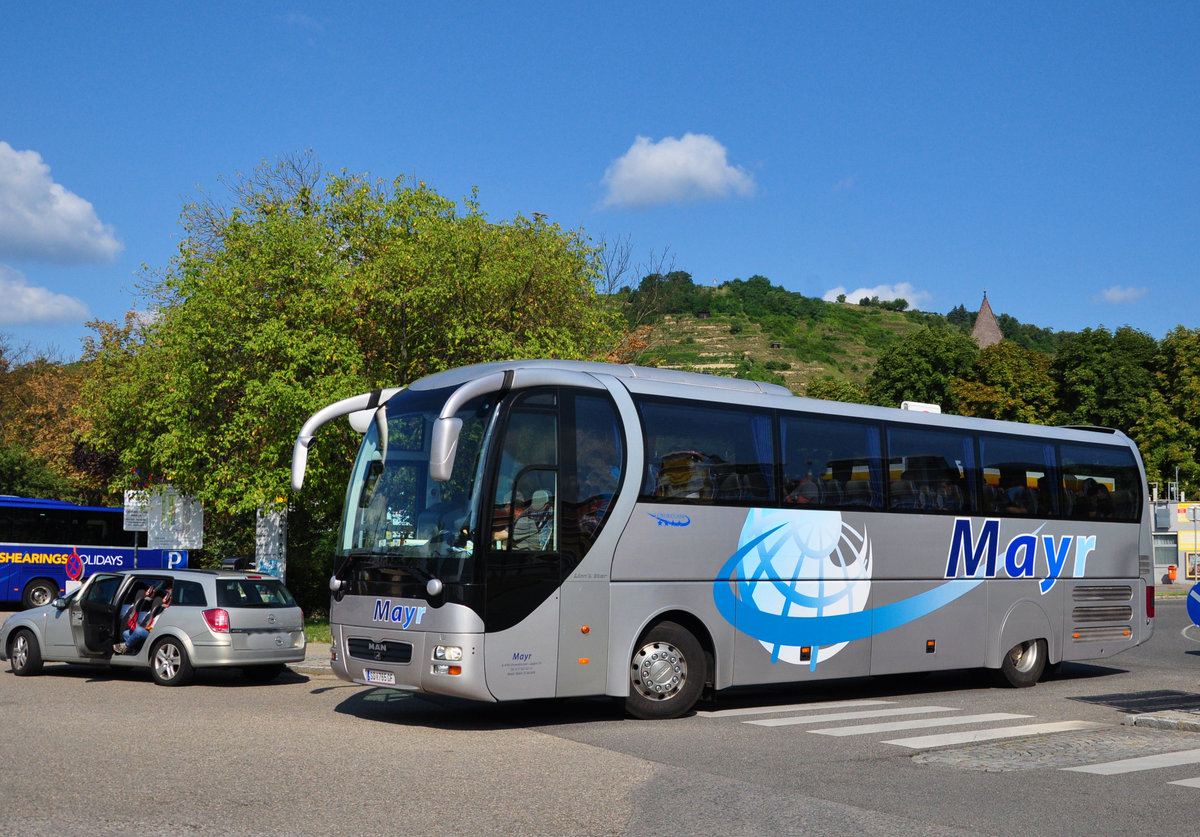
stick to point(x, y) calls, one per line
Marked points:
point(94, 616)
point(523, 566)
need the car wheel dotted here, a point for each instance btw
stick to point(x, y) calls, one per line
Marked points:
point(169, 663)
point(263, 673)
point(39, 592)
point(666, 674)
point(1023, 665)
point(25, 654)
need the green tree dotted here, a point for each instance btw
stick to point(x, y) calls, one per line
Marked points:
point(1008, 382)
point(1104, 378)
point(921, 366)
point(1168, 427)
point(304, 291)
point(832, 388)
point(24, 476)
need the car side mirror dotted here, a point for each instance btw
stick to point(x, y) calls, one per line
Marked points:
point(60, 603)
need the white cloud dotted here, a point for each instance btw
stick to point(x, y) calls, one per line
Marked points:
point(41, 220)
point(904, 290)
point(1119, 296)
point(24, 304)
point(673, 170)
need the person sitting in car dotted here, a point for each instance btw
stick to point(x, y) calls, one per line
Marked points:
point(139, 618)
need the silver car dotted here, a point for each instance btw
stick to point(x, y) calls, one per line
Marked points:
point(211, 618)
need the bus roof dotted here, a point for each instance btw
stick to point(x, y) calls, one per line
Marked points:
point(12, 501)
point(677, 383)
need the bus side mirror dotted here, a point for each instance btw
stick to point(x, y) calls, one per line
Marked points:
point(442, 447)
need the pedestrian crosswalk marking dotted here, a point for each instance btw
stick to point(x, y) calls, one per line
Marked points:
point(1112, 768)
point(918, 723)
point(849, 716)
point(924, 742)
point(794, 707)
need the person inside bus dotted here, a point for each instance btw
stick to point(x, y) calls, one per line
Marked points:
point(535, 525)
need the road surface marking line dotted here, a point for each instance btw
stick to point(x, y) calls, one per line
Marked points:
point(1187, 783)
point(919, 723)
point(849, 716)
point(1112, 768)
point(945, 739)
point(794, 707)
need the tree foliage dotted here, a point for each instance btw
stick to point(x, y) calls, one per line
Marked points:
point(308, 289)
point(1168, 428)
point(921, 367)
point(1103, 378)
point(833, 388)
point(1008, 382)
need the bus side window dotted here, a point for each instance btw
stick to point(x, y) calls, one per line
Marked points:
point(702, 454)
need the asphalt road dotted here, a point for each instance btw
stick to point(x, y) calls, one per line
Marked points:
point(89, 751)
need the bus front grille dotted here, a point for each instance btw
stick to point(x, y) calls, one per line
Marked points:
point(380, 651)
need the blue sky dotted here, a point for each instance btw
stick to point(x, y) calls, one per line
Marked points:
point(1044, 152)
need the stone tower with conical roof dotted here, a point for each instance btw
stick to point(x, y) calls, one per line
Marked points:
point(986, 331)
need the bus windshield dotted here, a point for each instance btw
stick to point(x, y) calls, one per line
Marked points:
point(398, 525)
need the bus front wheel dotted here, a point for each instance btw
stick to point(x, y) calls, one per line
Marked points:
point(1024, 663)
point(666, 674)
point(39, 592)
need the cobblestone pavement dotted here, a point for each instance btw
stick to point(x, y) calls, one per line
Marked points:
point(1066, 749)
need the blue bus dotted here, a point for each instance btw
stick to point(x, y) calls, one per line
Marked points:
point(46, 543)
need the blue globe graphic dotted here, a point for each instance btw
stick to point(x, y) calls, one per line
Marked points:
point(814, 564)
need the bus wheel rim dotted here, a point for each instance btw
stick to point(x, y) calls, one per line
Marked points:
point(659, 670)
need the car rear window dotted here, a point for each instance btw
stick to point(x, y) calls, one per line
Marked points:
point(253, 592)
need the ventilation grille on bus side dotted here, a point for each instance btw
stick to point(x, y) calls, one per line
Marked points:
point(1143, 565)
point(1102, 613)
point(1112, 593)
point(388, 651)
point(1102, 633)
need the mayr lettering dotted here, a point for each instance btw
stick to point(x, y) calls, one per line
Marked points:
point(1020, 553)
point(402, 615)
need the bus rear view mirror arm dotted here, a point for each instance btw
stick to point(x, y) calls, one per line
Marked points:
point(355, 404)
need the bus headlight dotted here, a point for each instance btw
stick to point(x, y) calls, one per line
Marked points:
point(452, 653)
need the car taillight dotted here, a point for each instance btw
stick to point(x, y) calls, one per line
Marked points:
point(217, 620)
point(1149, 602)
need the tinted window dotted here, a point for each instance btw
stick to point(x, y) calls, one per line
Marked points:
point(1018, 477)
point(253, 592)
point(103, 589)
point(930, 470)
point(831, 462)
point(1101, 483)
point(188, 593)
point(592, 459)
point(701, 454)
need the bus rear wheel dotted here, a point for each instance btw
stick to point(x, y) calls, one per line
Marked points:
point(1024, 663)
point(666, 674)
point(39, 592)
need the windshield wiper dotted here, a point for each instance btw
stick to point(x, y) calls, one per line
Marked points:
point(433, 584)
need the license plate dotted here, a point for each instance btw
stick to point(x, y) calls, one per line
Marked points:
point(387, 678)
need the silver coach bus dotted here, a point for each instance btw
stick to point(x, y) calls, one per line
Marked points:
point(533, 529)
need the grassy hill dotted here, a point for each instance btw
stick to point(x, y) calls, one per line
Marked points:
point(845, 344)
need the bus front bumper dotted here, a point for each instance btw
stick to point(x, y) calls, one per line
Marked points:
point(413, 661)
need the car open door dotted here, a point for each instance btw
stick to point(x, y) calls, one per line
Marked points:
point(94, 616)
